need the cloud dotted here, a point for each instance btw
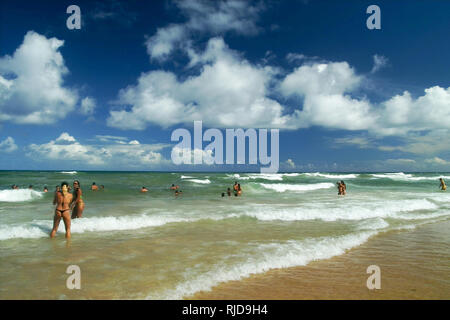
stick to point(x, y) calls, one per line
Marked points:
point(401, 161)
point(300, 57)
point(290, 163)
point(402, 114)
point(112, 11)
point(88, 106)
point(35, 92)
point(67, 149)
point(361, 142)
point(204, 17)
point(8, 145)
point(228, 92)
point(438, 161)
point(379, 62)
point(324, 87)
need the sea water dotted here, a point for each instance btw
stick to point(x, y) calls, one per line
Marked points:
point(154, 245)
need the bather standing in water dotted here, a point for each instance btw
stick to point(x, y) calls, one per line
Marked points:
point(77, 202)
point(442, 186)
point(62, 199)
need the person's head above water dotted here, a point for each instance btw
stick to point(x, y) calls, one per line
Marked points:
point(93, 183)
point(64, 186)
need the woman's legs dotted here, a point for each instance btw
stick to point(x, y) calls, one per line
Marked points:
point(67, 222)
point(56, 220)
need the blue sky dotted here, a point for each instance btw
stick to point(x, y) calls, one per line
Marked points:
point(108, 96)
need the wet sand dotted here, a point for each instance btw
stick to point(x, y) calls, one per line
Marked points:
point(415, 264)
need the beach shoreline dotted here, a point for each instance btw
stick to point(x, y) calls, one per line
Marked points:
point(412, 267)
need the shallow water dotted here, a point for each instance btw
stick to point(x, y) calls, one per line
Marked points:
point(130, 245)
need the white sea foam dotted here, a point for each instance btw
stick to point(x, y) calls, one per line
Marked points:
point(69, 172)
point(267, 176)
point(41, 228)
point(346, 212)
point(19, 195)
point(279, 187)
point(206, 181)
point(400, 176)
point(373, 224)
point(265, 257)
point(186, 177)
point(332, 176)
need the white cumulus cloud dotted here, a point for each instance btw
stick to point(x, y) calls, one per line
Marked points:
point(8, 145)
point(35, 91)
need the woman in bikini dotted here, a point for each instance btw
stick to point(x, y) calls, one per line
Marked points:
point(62, 200)
point(77, 201)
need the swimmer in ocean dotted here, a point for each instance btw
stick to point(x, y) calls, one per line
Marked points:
point(229, 192)
point(239, 190)
point(144, 189)
point(344, 188)
point(442, 186)
point(78, 203)
point(62, 199)
point(94, 187)
point(340, 188)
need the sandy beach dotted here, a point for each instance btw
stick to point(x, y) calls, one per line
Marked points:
point(415, 264)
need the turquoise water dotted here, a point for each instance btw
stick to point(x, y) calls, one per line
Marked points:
point(154, 245)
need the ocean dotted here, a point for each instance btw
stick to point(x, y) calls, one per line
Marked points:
point(132, 245)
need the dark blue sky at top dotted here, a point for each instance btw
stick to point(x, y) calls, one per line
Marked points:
point(109, 54)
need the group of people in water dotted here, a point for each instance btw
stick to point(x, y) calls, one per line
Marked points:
point(237, 190)
point(173, 187)
point(342, 188)
point(70, 205)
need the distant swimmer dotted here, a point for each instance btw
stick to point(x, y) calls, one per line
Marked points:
point(229, 192)
point(62, 200)
point(223, 194)
point(341, 188)
point(45, 189)
point(174, 187)
point(235, 187)
point(94, 187)
point(442, 186)
point(344, 188)
point(77, 202)
point(239, 190)
point(144, 189)
point(102, 187)
point(30, 187)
